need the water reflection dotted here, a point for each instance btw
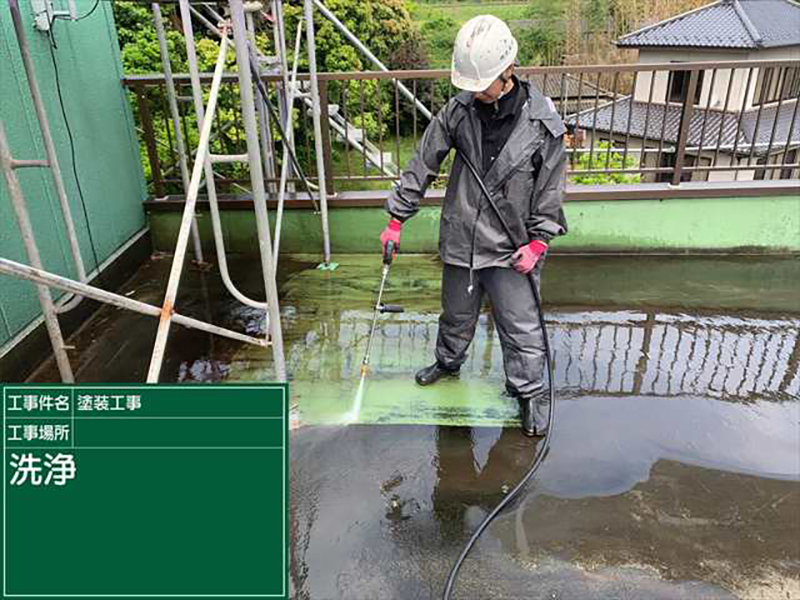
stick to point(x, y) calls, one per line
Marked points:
point(475, 468)
point(384, 511)
point(595, 352)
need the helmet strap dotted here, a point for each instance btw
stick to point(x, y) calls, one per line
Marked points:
point(502, 77)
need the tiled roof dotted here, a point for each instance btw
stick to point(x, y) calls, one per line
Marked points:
point(769, 116)
point(552, 86)
point(636, 113)
point(725, 24)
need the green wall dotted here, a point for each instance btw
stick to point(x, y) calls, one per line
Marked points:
point(763, 224)
point(107, 152)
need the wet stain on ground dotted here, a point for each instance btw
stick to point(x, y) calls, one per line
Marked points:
point(674, 471)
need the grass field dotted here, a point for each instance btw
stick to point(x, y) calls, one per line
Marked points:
point(439, 23)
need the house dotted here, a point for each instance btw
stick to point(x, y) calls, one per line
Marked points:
point(734, 111)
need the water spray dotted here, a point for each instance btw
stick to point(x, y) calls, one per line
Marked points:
point(380, 308)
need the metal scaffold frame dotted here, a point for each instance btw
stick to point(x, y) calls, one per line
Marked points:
point(236, 31)
point(202, 164)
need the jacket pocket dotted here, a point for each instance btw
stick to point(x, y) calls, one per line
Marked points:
point(519, 186)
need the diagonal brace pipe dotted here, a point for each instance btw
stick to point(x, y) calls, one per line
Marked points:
point(186, 221)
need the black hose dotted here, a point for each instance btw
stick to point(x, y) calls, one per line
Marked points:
point(262, 91)
point(539, 457)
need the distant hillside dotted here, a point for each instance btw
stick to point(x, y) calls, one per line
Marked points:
point(440, 22)
point(550, 32)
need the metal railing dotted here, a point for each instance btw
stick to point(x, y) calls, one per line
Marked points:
point(668, 122)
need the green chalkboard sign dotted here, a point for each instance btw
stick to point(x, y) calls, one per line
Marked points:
point(145, 491)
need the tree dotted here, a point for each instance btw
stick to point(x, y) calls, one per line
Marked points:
point(383, 26)
point(542, 42)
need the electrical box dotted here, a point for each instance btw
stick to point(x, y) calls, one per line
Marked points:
point(44, 12)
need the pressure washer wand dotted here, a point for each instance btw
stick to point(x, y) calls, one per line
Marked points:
point(388, 255)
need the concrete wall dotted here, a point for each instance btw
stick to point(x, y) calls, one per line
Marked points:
point(761, 224)
point(107, 152)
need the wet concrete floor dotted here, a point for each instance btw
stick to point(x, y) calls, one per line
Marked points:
point(674, 470)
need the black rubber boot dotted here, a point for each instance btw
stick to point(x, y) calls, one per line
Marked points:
point(533, 415)
point(434, 373)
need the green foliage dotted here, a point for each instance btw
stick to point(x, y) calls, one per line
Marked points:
point(597, 12)
point(384, 26)
point(440, 32)
point(440, 21)
point(541, 42)
point(598, 161)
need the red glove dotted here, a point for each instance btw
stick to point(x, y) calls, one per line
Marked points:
point(526, 257)
point(392, 234)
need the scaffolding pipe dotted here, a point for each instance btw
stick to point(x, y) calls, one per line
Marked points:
point(9, 267)
point(279, 31)
point(257, 181)
point(263, 113)
point(201, 160)
point(312, 68)
point(287, 142)
point(26, 230)
point(50, 150)
point(366, 52)
point(276, 117)
point(202, 18)
point(176, 118)
point(211, 188)
point(283, 94)
point(26, 164)
point(228, 158)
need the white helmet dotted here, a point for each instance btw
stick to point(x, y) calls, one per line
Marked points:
point(484, 48)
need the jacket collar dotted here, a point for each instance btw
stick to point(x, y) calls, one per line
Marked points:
point(537, 107)
point(524, 139)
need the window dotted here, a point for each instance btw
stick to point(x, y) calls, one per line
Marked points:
point(668, 160)
point(679, 86)
point(773, 83)
point(762, 174)
point(791, 158)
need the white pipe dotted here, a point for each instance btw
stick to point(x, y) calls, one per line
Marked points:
point(173, 109)
point(287, 143)
point(28, 239)
point(244, 58)
point(50, 151)
point(188, 214)
point(312, 68)
point(211, 188)
point(9, 267)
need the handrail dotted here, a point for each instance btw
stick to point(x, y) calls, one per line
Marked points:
point(156, 78)
point(598, 104)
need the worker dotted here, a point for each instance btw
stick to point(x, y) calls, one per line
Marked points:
point(514, 137)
